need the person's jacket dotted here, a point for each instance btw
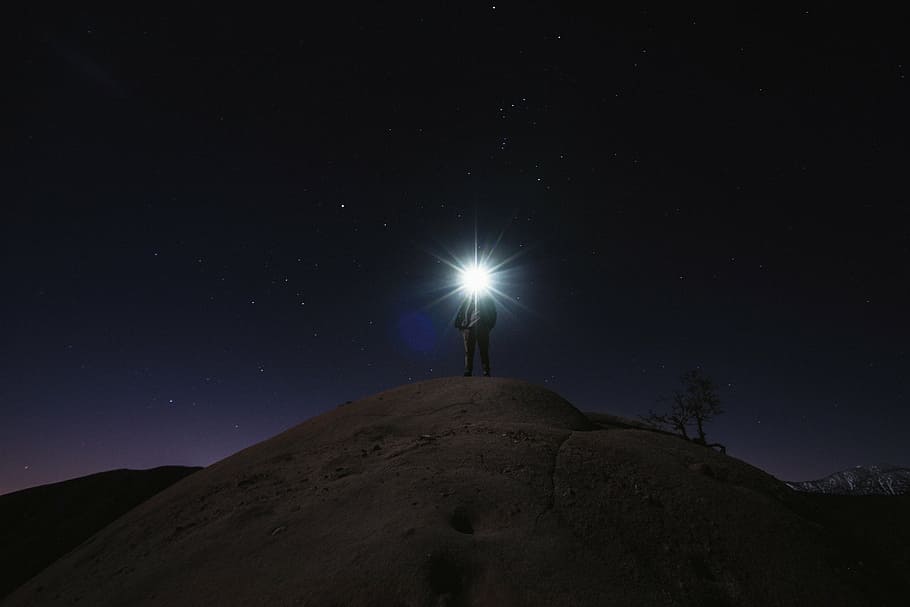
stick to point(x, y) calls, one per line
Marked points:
point(486, 312)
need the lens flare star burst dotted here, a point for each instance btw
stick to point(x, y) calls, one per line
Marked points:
point(476, 280)
point(478, 274)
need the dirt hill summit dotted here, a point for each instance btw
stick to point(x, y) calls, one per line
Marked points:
point(468, 491)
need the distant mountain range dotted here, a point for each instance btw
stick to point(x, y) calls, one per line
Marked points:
point(883, 479)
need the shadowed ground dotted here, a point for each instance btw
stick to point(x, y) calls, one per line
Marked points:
point(474, 491)
point(41, 524)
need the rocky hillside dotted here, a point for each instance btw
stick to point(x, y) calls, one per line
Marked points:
point(475, 491)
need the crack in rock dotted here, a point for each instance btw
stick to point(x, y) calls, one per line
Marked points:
point(551, 500)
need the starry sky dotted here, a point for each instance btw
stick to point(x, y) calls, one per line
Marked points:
point(216, 225)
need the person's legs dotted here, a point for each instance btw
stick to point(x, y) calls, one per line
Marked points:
point(483, 340)
point(470, 338)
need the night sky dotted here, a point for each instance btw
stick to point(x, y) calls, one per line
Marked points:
point(215, 226)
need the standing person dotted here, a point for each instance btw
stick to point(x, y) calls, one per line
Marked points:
point(475, 318)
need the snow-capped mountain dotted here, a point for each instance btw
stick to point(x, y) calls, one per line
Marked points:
point(862, 480)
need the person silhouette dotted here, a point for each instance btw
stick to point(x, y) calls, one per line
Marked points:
point(475, 318)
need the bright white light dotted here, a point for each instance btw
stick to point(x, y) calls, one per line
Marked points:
point(475, 280)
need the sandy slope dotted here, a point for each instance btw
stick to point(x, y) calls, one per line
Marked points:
point(467, 491)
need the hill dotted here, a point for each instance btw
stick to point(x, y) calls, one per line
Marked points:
point(475, 491)
point(41, 524)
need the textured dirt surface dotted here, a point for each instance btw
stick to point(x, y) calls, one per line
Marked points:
point(469, 491)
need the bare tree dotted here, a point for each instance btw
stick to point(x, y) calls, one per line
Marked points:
point(695, 404)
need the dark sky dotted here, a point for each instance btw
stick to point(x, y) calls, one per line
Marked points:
point(216, 225)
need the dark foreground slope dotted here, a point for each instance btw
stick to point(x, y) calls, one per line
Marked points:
point(41, 524)
point(469, 491)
